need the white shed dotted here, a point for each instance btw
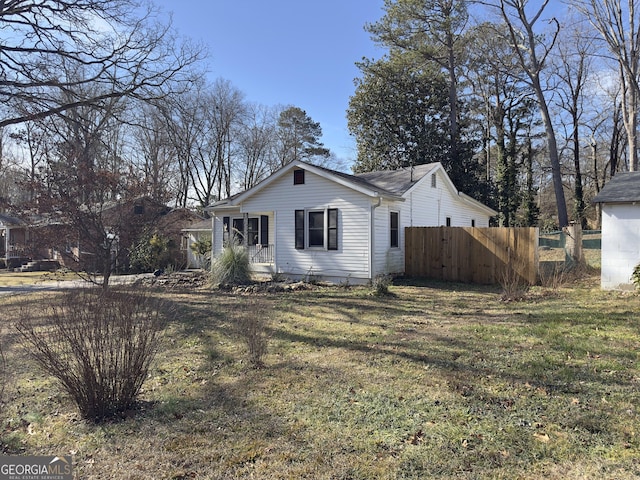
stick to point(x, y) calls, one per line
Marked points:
point(620, 200)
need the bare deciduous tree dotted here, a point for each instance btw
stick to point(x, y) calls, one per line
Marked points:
point(618, 23)
point(119, 50)
point(574, 68)
point(532, 53)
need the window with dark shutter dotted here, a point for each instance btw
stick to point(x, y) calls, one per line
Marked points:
point(394, 229)
point(252, 231)
point(448, 221)
point(298, 177)
point(238, 230)
point(299, 227)
point(316, 229)
point(332, 229)
point(264, 230)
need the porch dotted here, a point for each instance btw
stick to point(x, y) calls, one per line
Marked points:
point(261, 254)
point(255, 232)
point(14, 240)
point(14, 255)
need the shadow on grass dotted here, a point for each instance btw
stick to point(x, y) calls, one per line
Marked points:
point(401, 330)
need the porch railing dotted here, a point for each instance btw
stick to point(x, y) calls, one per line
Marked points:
point(261, 253)
point(16, 251)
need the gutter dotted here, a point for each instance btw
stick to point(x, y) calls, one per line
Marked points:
point(372, 242)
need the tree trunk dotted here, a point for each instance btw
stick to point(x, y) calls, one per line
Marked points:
point(554, 160)
point(578, 191)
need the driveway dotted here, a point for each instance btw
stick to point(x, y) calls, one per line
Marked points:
point(50, 285)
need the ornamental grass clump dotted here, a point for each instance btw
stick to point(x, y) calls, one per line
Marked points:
point(232, 265)
point(98, 344)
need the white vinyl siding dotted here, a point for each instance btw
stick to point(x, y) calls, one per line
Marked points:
point(620, 245)
point(429, 207)
point(388, 259)
point(351, 259)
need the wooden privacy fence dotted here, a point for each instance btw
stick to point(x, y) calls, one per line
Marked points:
point(472, 255)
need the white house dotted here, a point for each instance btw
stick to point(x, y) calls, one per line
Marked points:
point(307, 221)
point(620, 200)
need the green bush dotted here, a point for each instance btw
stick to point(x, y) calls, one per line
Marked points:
point(232, 265)
point(202, 249)
point(152, 252)
point(98, 344)
point(635, 276)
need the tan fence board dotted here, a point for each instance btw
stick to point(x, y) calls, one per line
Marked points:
point(470, 254)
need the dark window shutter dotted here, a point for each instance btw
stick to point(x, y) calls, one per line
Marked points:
point(264, 230)
point(394, 229)
point(299, 229)
point(332, 229)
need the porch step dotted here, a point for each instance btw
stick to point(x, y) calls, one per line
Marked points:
point(39, 266)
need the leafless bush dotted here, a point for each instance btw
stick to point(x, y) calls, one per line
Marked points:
point(253, 326)
point(98, 344)
point(514, 286)
point(381, 284)
point(553, 275)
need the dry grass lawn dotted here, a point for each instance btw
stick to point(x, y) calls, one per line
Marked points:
point(435, 381)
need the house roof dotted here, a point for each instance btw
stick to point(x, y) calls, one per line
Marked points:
point(622, 188)
point(397, 181)
point(202, 225)
point(392, 184)
point(9, 221)
point(386, 183)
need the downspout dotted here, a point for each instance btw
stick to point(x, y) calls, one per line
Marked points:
point(275, 242)
point(213, 240)
point(372, 243)
point(6, 245)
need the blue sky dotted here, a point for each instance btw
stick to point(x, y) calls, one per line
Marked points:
point(286, 52)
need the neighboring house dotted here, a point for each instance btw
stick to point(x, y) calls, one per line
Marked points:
point(306, 221)
point(620, 201)
point(14, 240)
point(50, 237)
point(198, 232)
point(142, 215)
point(123, 221)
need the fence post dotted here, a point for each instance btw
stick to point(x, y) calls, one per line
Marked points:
point(573, 245)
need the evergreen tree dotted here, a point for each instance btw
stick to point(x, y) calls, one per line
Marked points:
point(398, 115)
point(298, 138)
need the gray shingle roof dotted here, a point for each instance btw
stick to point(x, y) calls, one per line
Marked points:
point(622, 188)
point(11, 221)
point(393, 183)
point(397, 181)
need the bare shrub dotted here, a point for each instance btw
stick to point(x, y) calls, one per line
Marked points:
point(98, 344)
point(252, 326)
point(381, 284)
point(514, 286)
point(553, 276)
